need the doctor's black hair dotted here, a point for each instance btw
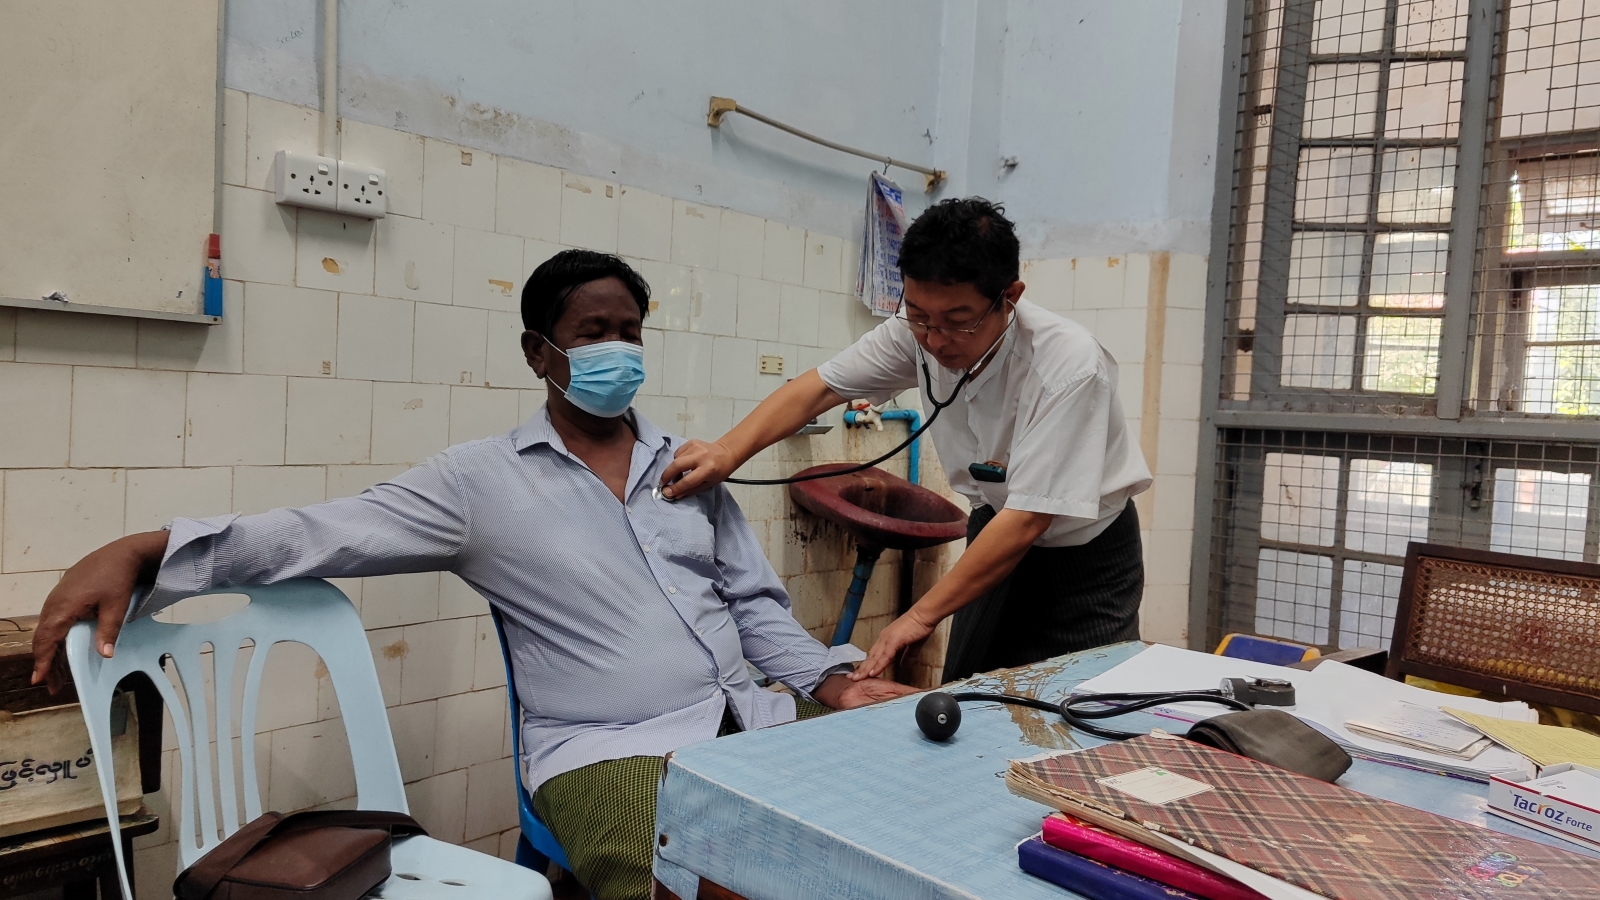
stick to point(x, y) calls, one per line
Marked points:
point(965, 240)
point(544, 297)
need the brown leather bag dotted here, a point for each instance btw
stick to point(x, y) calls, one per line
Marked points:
point(329, 855)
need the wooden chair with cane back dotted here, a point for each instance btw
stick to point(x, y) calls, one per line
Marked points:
point(1513, 627)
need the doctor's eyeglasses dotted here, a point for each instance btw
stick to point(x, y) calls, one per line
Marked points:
point(922, 329)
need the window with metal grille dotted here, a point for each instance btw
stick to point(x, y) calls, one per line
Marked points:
point(1404, 344)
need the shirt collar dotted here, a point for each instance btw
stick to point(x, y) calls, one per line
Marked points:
point(539, 430)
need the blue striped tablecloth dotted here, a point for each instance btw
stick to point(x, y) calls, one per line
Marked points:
point(860, 805)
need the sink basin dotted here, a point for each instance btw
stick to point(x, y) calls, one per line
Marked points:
point(880, 510)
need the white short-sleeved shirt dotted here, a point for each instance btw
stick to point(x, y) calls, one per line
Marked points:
point(1046, 407)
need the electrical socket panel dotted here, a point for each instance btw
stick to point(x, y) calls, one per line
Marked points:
point(305, 180)
point(322, 183)
point(363, 190)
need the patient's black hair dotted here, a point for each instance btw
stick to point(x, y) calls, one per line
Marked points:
point(966, 240)
point(544, 297)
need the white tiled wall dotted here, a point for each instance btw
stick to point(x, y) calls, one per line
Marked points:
point(350, 350)
point(1122, 300)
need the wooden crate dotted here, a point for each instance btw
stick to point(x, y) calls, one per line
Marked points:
point(50, 777)
point(37, 729)
point(16, 668)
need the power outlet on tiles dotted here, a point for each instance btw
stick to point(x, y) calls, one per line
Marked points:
point(363, 190)
point(305, 180)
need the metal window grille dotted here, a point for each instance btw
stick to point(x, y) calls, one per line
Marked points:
point(1404, 314)
point(1312, 527)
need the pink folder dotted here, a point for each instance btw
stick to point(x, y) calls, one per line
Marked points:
point(1114, 850)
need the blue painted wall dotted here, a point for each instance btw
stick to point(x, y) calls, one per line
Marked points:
point(1089, 95)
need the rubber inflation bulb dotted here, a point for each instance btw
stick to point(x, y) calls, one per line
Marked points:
point(938, 715)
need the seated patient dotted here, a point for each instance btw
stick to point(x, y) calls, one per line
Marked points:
point(629, 617)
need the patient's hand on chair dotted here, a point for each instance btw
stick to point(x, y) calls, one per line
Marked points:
point(97, 588)
point(839, 692)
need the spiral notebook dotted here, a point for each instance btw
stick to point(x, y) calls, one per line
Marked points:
point(1310, 834)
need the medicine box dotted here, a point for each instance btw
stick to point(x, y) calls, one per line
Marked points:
point(1564, 801)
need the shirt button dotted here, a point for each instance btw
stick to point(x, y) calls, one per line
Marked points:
point(644, 548)
point(672, 590)
point(698, 633)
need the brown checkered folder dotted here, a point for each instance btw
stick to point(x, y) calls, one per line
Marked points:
point(1319, 836)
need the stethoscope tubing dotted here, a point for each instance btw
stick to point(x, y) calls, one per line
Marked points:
point(861, 467)
point(1105, 706)
point(938, 407)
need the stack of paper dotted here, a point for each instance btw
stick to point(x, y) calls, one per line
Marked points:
point(1546, 745)
point(1422, 728)
point(1327, 697)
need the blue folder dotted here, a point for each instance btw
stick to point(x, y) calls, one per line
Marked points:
point(1084, 876)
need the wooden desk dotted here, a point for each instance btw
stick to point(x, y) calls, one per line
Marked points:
point(72, 859)
point(860, 805)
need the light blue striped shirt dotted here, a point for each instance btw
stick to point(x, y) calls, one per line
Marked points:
point(629, 625)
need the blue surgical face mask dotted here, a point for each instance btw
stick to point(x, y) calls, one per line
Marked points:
point(604, 377)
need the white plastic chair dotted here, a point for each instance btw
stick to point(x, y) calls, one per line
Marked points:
point(308, 611)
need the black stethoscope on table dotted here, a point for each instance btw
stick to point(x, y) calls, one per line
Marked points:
point(939, 713)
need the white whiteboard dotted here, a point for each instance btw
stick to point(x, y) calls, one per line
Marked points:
point(107, 150)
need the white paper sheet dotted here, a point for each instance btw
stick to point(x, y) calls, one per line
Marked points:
point(1254, 879)
point(1573, 786)
point(1155, 785)
point(1422, 725)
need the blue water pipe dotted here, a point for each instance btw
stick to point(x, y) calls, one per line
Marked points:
point(913, 420)
point(867, 557)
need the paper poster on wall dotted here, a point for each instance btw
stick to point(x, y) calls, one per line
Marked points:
point(107, 151)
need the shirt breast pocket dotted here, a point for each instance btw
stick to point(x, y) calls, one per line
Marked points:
point(687, 537)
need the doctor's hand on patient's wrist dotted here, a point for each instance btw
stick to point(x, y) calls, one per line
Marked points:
point(696, 466)
point(901, 633)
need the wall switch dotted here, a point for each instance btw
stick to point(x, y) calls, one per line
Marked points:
point(305, 180)
point(363, 190)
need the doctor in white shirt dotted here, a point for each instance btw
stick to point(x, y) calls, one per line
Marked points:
point(1032, 433)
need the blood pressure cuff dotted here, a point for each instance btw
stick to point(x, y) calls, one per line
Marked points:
point(1275, 738)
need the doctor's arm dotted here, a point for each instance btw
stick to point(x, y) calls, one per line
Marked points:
point(1056, 468)
point(699, 465)
point(998, 549)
